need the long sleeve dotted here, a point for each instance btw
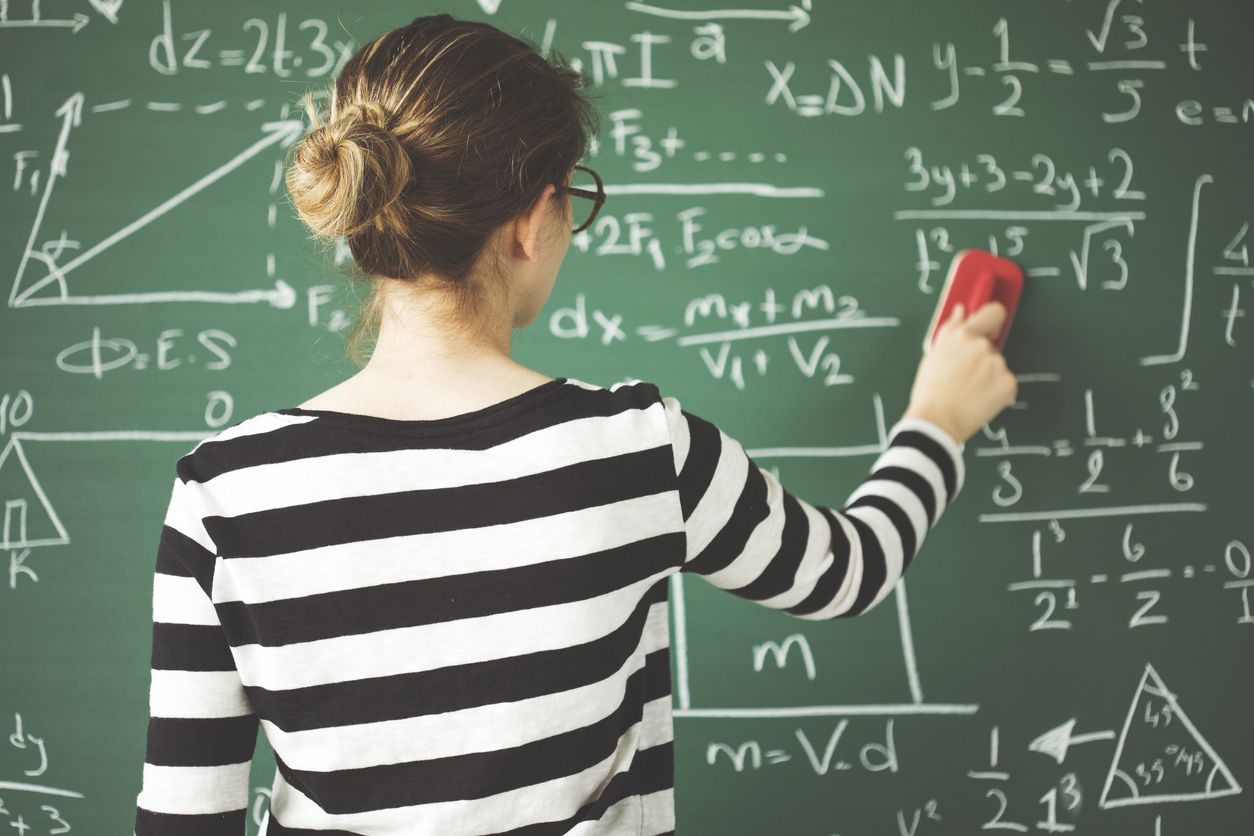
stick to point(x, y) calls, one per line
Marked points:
point(747, 535)
point(202, 731)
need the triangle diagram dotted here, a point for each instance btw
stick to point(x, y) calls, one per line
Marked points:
point(1161, 756)
point(27, 518)
point(49, 260)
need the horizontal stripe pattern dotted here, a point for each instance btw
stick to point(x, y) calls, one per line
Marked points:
point(748, 535)
point(202, 729)
point(461, 626)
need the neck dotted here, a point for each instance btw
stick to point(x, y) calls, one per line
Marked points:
point(417, 342)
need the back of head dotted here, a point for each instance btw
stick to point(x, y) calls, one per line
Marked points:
point(437, 133)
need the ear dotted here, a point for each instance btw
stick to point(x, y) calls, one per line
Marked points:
point(529, 225)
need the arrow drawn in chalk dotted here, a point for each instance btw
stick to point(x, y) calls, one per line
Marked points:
point(1057, 740)
point(278, 133)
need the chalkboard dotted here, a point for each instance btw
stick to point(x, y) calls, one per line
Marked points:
point(787, 185)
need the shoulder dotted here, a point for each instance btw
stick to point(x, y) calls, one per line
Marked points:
point(210, 455)
point(665, 418)
point(629, 389)
point(643, 394)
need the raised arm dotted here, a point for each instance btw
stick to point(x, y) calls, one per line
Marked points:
point(748, 535)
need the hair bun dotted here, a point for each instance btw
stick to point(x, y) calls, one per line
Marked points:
point(348, 171)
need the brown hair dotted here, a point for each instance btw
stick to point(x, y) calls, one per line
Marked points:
point(438, 133)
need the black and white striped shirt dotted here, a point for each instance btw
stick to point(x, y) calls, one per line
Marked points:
point(460, 626)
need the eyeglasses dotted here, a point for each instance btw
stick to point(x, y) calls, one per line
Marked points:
point(597, 197)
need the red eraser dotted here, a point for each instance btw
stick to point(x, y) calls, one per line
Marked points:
point(975, 278)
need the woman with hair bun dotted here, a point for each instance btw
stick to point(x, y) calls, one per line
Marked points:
point(440, 587)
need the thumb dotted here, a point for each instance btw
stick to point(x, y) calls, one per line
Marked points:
point(987, 321)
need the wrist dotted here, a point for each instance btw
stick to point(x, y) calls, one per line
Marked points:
point(938, 417)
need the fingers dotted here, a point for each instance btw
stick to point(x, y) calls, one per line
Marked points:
point(987, 321)
point(955, 319)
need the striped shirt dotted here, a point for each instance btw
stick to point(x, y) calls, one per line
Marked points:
point(461, 625)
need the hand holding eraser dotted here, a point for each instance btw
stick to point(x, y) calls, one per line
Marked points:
point(975, 278)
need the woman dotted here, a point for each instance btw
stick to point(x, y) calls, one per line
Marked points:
point(440, 587)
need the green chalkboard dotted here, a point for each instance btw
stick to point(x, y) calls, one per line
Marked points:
point(787, 186)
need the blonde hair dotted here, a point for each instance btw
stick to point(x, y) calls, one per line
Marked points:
point(438, 132)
